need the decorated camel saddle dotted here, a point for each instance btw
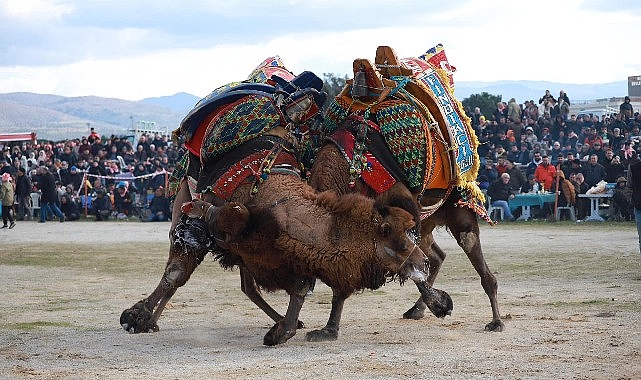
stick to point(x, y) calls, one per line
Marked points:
point(410, 103)
point(243, 130)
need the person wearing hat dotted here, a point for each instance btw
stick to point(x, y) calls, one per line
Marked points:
point(6, 197)
point(626, 110)
point(123, 201)
point(622, 199)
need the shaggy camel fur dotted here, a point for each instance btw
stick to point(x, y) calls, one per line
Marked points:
point(331, 171)
point(287, 236)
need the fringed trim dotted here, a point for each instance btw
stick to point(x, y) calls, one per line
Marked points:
point(473, 198)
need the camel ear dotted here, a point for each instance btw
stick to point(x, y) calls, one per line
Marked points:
point(385, 229)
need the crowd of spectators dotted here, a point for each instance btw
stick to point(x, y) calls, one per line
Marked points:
point(529, 142)
point(542, 138)
point(108, 177)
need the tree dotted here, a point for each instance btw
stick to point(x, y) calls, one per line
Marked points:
point(333, 84)
point(486, 102)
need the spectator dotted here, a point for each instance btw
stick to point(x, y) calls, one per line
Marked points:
point(500, 194)
point(514, 154)
point(489, 171)
point(544, 173)
point(635, 177)
point(23, 194)
point(123, 201)
point(49, 196)
point(69, 208)
point(517, 179)
point(572, 139)
point(531, 186)
point(159, 206)
point(7, 199)
point(582, 204)
point(555, 152)
point(613, 167)
point(584, 152)
point(141, 182)
point(544, 99)
point(593, 171)
point(616, 139)
point(622, 199)
point(529, 137)
point(524, 154)
point(501, 166)
point(513, 110)
point(598, 152)
point(158, 178)
point(626, 110)
point(566, 163)
point(536, 160)
point(500, 112)
point(101, 205)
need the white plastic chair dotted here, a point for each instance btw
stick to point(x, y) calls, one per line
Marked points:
point(491, 209)
point(34, 203)
point(570, 208)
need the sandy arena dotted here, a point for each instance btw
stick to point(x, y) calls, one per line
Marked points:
point(569, 295)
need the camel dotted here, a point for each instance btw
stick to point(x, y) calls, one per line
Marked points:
point(252, 173)
point(288, 235)
point(357, 157)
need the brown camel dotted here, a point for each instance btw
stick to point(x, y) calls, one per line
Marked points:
point(288, 237)
point(353, 122)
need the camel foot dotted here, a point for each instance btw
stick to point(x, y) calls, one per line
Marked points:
point(277, 335)
point(496, 325)
point(439, 302)
point(138, 319)
point(415, 312)
point(322, 335)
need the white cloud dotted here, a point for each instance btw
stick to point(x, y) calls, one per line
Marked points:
point(88, 51)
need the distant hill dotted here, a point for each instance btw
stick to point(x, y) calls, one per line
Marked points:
point(56, 117)
point(181, 102)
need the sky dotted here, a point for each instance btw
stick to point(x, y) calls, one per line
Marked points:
point(138, 49)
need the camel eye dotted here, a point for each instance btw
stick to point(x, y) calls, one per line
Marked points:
point(385, 229)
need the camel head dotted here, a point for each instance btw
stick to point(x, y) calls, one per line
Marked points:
point(395, 247)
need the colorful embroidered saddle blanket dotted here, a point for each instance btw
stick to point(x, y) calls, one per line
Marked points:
point(239, 112)
point(424, 126)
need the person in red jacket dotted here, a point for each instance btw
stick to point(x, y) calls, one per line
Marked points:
point(545, 172)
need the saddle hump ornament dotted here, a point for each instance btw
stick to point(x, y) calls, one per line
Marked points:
point(270, 102)
point(424, 126)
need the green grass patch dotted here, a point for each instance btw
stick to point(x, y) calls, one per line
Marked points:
point(31, 326)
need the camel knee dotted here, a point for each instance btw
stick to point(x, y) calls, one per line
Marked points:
point(176, 275)
point(467, 240)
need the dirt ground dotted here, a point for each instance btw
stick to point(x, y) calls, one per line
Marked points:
point(569, 296)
